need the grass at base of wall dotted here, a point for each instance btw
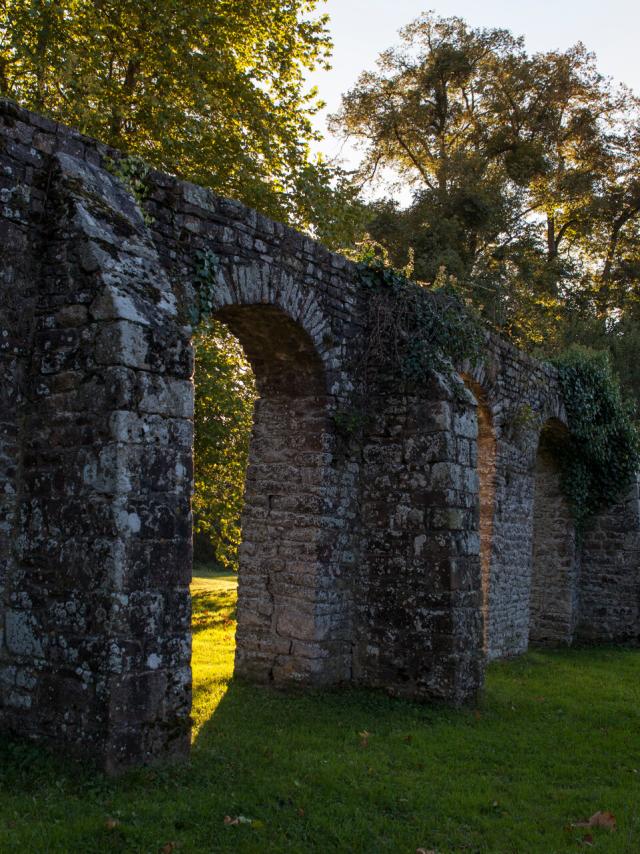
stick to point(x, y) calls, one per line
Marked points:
point(555, 738)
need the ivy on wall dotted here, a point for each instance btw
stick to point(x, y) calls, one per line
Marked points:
point(133, 172)
point(207, 265)
point(601, 454)
point(415, 329)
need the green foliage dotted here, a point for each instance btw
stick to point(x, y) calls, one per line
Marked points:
point(207, 265)
point(212, 90)
point(133, 172)
point(224, 396)
point(520, 420)
point(602, 452)
point(415, 329)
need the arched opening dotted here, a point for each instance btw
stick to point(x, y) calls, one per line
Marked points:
point(555, 559)
point(289, 616)
point(486, 467)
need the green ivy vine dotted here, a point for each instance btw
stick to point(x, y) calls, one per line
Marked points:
point(133, 171)
point(601, 454)
point(414, 328)
point(205, 277)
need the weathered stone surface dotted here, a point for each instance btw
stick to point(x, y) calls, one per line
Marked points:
point(372, 558)
point(609, 591)
point(554, 597)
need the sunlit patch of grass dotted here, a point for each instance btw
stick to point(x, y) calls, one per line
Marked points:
point(554, 739)
point(214, 626)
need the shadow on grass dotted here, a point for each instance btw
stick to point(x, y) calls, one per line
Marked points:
point(553, 740)
point(212, 609)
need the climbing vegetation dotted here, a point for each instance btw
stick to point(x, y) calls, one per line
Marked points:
point(133, 172)
point(414, 328)
point(601, 454)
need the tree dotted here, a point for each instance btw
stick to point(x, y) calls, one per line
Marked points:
point(212, 90)
point(225, 393)
point(525, 172)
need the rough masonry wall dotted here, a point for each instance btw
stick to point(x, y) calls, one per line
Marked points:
point(520, 395)
point(360, 559)
point(97, 629)
point(486, 469)
point(555, 572)
point(591, 592)
point(21, 206)
point(610, 574)
point(420, 614)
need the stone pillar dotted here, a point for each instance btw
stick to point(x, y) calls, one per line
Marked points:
point(610, 580)
point(98, 607)
point(555, 571)
point(420, 605)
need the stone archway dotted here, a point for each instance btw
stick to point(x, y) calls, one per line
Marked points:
point(486, 452)
point(555, 563)
point(292, 621)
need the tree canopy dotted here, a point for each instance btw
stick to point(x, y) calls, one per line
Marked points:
point(213, 90)
point(525, 178)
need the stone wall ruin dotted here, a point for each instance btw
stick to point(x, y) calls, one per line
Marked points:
point(399, 559)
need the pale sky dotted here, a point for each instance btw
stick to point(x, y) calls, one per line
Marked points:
point(361, 29)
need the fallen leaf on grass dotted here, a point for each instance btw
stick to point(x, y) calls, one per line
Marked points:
point(241, 819)
point(425, 851)
point(111, 823)
point(364, 738)
point(168, 848)
point(599, 819)
point(408, 739)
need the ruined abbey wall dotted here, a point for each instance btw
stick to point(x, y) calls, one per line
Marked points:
point(398, 557)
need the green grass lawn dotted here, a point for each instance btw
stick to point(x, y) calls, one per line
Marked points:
point(555, 738)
